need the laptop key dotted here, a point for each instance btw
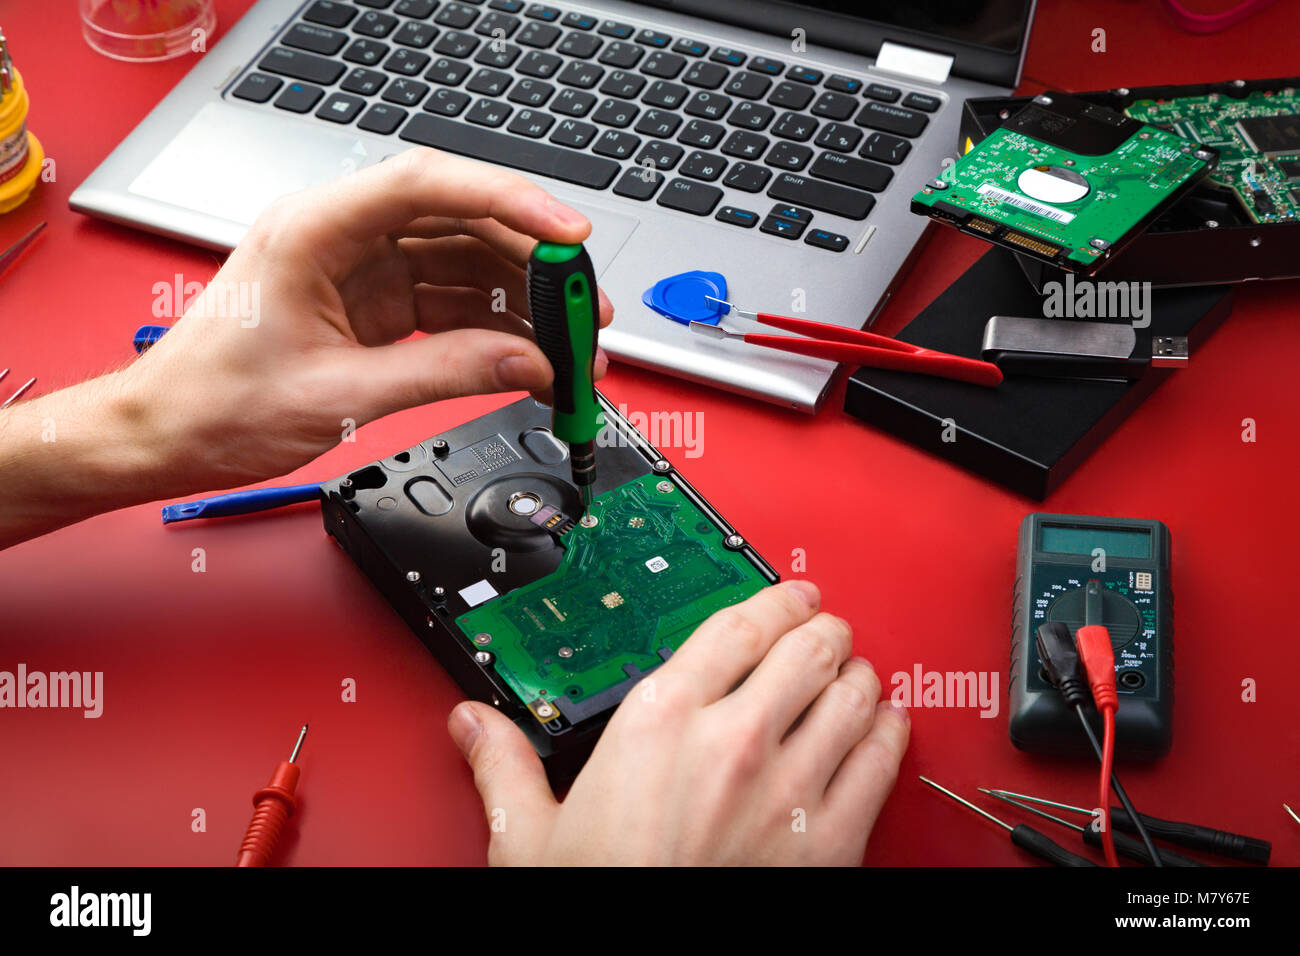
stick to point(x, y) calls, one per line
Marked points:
point(418, 35)
point(497, 25)
point(456, 15)
point(574, 133)
point(314, 39)
point(749, 86)
point(573, 103)
point(538, 64)
point(795, 126)
point(301, 66)
point(459, 45)
point(616, 144)
point(581, 45)
point(299, 97)
point(747, 177)
point(664, 65)
point(763, 64)
point(639, 182)
point(827, 240)
point(620, 31)
point(540, 11)
point(702, 165)
point(666, 95)
point(612, 112)
point(489, 82)
point(921, 101)
point(381, 118)
point(886, 148)
point(660, 123)
point(531, 123)
point(487, 112)
point(530, 93)
point(839, 200)
point(363, 81)
point(622, 84)
point(365, 52)
point(836, 106)
point(405, 92)
point(792, 96)
point(688, 196)
point(803, 74)
point(377, 4)
point(447, 102)
point(507, 6)
point(499, 54)
point(844, 84)
point(419, 9)
point(620, 54)
point(710, 76)
point(786, 228)
point(751, 116)
point(892, 119)
point(374, 25)
point(852, 172)
point(737, 217)
point(689, 47)
point(745, 145)
point(579, 21)
point(839, 137)
point(711, 106)
point(886, 94)
point(579, 74)
point(786, 211)
point(539, 35)
point(406, 62)
point(445, 71)
point(653, 38)
point(727, 56)
point(341, 108)
point(789, 156)
point(660, 155)
point(329, 13)
point(702, 134)
point(257, 87)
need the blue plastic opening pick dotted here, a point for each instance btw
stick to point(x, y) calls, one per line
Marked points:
point(682, 297)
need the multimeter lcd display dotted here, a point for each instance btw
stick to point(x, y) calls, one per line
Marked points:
point(1116, 542)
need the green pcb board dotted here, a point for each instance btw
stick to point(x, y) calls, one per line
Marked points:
point(1258, 139)
point(1085, 182)
point(631, 587)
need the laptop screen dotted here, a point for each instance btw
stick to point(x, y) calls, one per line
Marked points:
point(993, 24)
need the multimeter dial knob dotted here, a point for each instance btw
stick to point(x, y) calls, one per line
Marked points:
point(1122, 619)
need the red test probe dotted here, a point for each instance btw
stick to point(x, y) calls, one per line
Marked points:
point(273, 804)
point(1098, 656)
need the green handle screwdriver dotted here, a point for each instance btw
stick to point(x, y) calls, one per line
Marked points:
point(565, 312)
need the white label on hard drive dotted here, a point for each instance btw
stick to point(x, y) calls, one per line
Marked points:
point(656, 564)
point(990, 191)
point(476, 594)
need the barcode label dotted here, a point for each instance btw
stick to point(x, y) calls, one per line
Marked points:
point(1028, 205)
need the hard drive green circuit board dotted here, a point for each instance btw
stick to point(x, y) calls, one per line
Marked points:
point(1064, 181)
point(629, 591)
point(1258, 138)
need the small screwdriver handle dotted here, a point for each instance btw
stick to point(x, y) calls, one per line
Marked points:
point(1232, 846)
point(1135, 850)
point(274, 804)
point(565, 312)
point(1043, 847)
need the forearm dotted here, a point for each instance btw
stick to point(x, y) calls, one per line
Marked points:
point(75, 453)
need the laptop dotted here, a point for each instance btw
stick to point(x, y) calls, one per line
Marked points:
point(777, 143)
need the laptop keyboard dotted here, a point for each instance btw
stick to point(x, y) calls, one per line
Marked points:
point(599, 103)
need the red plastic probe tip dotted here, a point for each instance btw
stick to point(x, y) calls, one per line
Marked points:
point(273, 804)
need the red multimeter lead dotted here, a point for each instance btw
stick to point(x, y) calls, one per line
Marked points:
point(273, 804)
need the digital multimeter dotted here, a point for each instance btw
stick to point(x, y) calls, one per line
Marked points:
point(1058, 556)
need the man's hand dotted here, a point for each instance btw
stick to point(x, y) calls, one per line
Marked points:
point(297, 339)
point(760, 741)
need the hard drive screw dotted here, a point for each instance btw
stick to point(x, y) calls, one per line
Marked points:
point(439, 592)
point(545, 710)
point(483, 657)
point(662, 466)
point(1044, 99)
point(1202, 154)
point(1211, 224)
point(1238, 83)
point(482, 638)
point(413, 577)
point(1255, 243)
point(566, 652)
point(1123, 91)
point(734, 541)
point(1004, 114)
point(440, 447)
point(665, 486)
point(588, 521)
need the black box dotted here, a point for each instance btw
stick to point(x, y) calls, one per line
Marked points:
point(1179, 248)
point(1028, 433)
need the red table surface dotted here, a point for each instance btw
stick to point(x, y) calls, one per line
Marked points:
point(208, 676)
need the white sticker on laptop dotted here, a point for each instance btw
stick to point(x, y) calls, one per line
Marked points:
point(656, 564)
point(476, 594)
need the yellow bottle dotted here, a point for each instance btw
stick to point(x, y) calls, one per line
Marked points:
point(21, 156)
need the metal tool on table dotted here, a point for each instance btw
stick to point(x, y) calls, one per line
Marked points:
point(564, 307)
point(1061, 348)
point(837, 344)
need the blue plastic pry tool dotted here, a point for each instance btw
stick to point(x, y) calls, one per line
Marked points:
point(682, 297)
point(147, 335)
point(240, 503)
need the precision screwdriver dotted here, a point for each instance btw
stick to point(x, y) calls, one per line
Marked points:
point(1025, 837)
point(564, 308)
point(1232, 846)
point(1124, 845)
point(273, 804)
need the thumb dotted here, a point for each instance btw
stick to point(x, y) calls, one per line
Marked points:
point(508, 773)
point(445, 365)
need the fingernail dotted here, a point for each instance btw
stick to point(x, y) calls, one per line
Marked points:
point(900, 710)
point(464, 727)
point(602, 362)
point(806, 590)
point(860, 660)
point(564, 213)
point(605, 304)
point(519, 372)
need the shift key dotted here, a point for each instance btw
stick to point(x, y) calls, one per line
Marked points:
point(301, 66)
point(803, 191)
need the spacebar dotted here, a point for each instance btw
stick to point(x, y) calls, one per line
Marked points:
point(514, 151)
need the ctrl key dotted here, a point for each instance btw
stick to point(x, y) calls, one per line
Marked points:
point(692, 197)
point(824, 239)
point(257, 87)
